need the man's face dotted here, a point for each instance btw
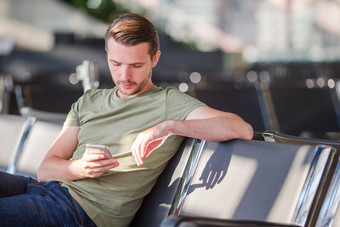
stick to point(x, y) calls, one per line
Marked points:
point(130, 67)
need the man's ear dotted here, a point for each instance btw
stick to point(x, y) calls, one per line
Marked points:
point(156, 58)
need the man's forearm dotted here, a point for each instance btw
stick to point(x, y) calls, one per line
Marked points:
point(57, 168)
point(91, 165)
point(219, 128)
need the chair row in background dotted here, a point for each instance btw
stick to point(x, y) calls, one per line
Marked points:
point(26, 139)
point(28, 133)
point(40, 108)
point(308, 107)
point(46, 91)
point(301, 106)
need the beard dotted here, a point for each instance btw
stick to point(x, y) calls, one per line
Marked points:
point(136, 88)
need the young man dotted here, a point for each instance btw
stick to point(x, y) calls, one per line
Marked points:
point(143, 126)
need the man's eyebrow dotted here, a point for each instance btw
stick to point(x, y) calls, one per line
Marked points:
point(134, 63)
point(112, 60)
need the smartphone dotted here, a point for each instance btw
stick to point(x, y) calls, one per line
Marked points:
point(102, 148)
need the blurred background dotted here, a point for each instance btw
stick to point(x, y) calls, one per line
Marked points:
point(274, 62)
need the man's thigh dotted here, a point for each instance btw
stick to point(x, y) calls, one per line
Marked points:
point(21, 210)
point(43, 204)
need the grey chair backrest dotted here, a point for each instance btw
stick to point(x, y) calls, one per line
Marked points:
point(157, 204)
point(246, 101)
point(299, 109)
point(256, 180)
point(11, 127)
point(37, 144)
point(42, 115)
point(329, 214)
point(40, 129)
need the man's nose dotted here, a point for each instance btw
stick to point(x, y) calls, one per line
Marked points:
point(125, 73)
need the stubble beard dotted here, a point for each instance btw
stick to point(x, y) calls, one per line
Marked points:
point(137, 87)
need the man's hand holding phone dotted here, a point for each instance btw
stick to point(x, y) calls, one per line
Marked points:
point(97, 159)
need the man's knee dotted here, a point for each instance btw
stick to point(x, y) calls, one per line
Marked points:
point(12, 184)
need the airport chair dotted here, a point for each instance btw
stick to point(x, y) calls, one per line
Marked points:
point(56, 98)
point(157, 204)
point(300, 110)
point(12, 127)
point(246, 101)
point(40, 131)
point(279, 137)
point(44, 128)
point(329, 213)
point(41, 136)
point(257, 181)
point(46, 88)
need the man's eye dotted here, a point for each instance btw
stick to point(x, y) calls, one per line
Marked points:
point(137, 66)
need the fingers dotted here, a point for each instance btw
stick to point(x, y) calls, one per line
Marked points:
point(138, 149)
point(101, 163)
point(93, 157)
point(94, 154)
point(141, 149)
point(97, 168)
point(137, 154)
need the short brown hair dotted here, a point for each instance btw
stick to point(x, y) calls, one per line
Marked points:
point(131, 29)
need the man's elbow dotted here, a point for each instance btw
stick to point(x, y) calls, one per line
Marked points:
point(41, 175)
point(247, 132)
point(242, 130)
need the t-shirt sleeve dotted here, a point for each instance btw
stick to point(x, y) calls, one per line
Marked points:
point(72, 118)
point(179, 104)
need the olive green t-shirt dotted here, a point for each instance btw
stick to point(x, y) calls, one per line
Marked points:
point(104, 118)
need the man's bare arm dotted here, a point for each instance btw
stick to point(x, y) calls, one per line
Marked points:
point(202, 123)
point(57, 163)
point(213, 125)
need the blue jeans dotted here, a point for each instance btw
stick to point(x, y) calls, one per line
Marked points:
point(27, 202)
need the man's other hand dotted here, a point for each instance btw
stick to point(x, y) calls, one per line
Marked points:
point(149, 140)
